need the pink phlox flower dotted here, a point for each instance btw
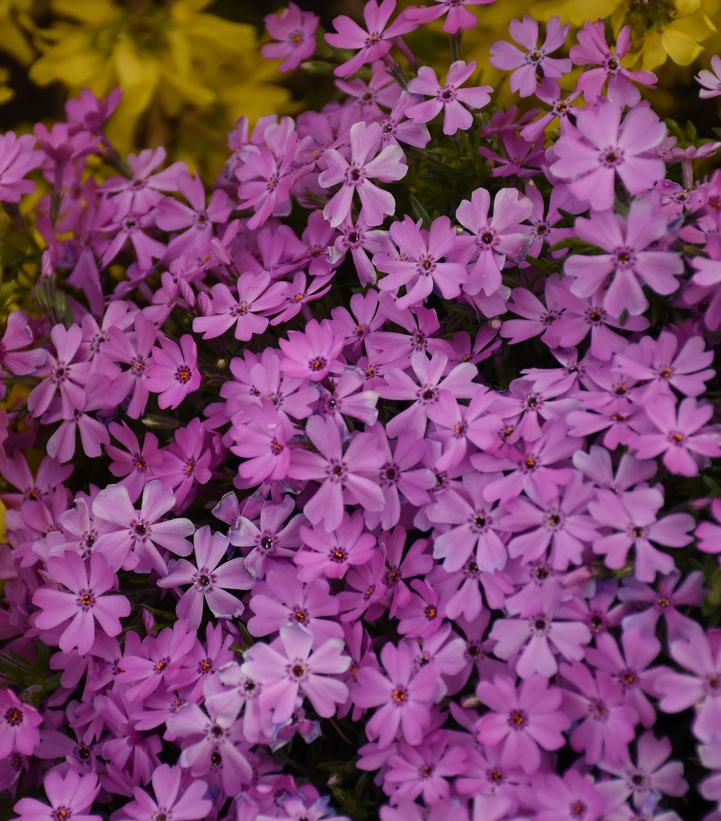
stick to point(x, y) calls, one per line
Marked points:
point(424, 614)
point(270, 538)
point(263, 440)
point(64, 373)
point(430, 382)
point(136, 536)
point(538, 633)
point(297, 293)
point(710, 80)
point(371, 43)
point(426, 770)
point(631, 255)
point(534, 62)
point(341, 398)
point(248, 312)
point(144, 190)
point(593, 50)
point(290, 667)
point(421, 262)
point(653, 773)
point(529, 464)
point(368, 161)
point(135, 351)
point(605, 721)
point(668, 362)
point(457, 425)
point(553, 521)
point(467, 527)
point(84, 604)
point(402, 693)
point(632, 518)
point(589, 156)
point(267, 173)
point(526, 719)
point(283, 599)
point(213, 746)
point(398, 127)
point(647, 605)
point(311, 353)
point(345, 477)
point(560, 798)
point(458, 17)
point(173, 798)
point(363, 244)
point(560, 108)
point(596, 465)
point(173, 372)
point(400, 568)
point(209, 580)
point(136, 464)
point(699, 686)
point(17, 335)
point(333, 554)
point(70, 796)
point(371, 97)
point(18, 157)
point(708, 534)
point(448, 97)
point(497, 239)
point(157, 662)
point(682, 436)
point(19, 724)
point(630, 668)
point(294, 31)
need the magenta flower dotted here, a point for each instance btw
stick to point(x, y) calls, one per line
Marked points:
point(64, 374)
point(17, 335)
point(172, 799)
point(85, 604)
point(526, 719)
point(404, 695)
point(283, 599)
point(469, 528)
point(633, 518)
point(496, 238)
point(345, 477)
point(425, 770)
point(173, 373)
point(570, 797)
point(248, 312)
point(368, 161)
point(263, 442)
point(213, 745)
point(430, 384)
point(710, 80)
point(135, 536)
point(18, 157)
point(528, 65)
point(19, 724)
point(593, 50)
point(653, 774)
point(70, 795)
point(208, 579)
point(375, 41)
point(311, 353)
point(606, 723)
point(683, 437)
point(294, 30)
point(289, 667)
point(421, 263)
point(699, 686)
point(333, 554)
point(447, 97)
point(709, 533)
point(630, 255)
point(458, 17)
point(601, 146)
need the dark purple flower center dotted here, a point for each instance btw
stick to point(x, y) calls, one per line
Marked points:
point(399, 695)
point(86, 600)
point(517, 719)
point(338, 555)
point(14, 716)
point(183, 374)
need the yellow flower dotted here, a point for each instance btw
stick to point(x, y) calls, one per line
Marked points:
point(669, 29)
point(169, 59)
point(6, 93)
point(14, 24)
point(573, 11)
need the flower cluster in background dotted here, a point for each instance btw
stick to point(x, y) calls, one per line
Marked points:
point(378, 477)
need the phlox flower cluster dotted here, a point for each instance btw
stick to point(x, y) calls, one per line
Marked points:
point(376, 478)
